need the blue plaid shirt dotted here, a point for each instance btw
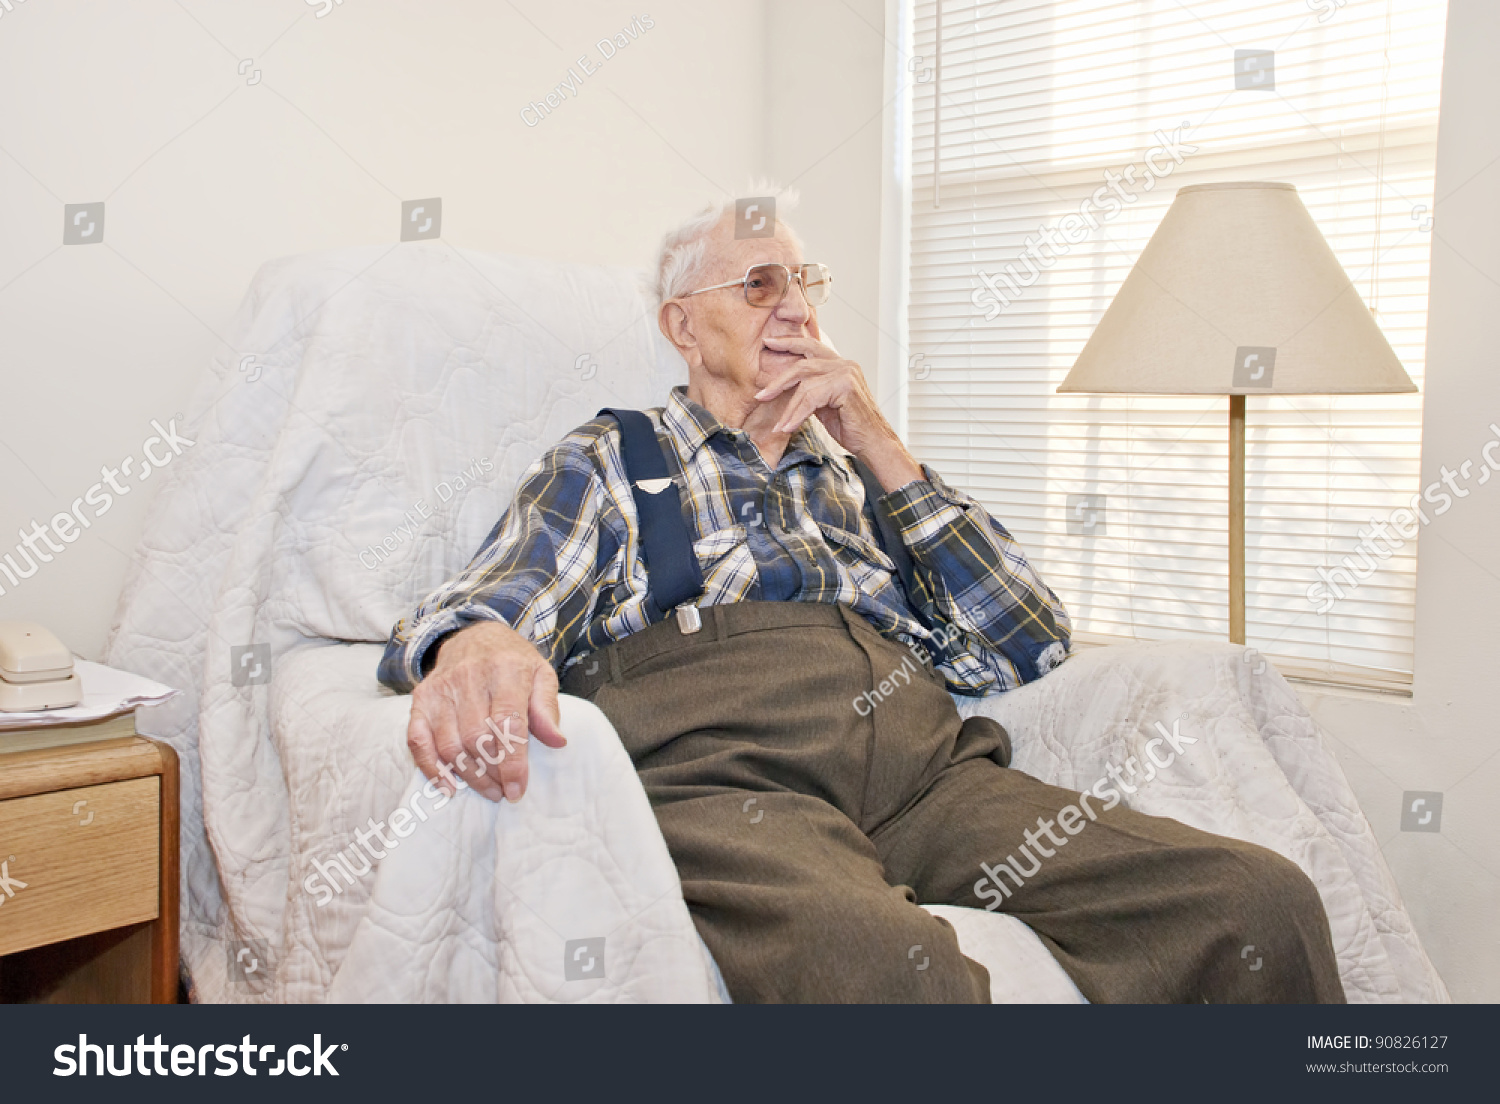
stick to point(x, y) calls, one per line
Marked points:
point(563, 567)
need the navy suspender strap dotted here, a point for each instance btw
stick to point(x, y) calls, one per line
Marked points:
point(890, 540)
point(672, 571)
point(673, 576)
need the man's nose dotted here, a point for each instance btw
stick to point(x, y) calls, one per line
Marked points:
point(794, 306)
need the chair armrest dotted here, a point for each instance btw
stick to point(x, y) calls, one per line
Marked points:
point(477, 900)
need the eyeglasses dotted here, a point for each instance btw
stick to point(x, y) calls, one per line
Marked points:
point(765, 284)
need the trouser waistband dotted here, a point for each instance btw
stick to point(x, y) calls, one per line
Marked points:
point(614, 662)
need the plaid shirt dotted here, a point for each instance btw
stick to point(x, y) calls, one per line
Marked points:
point(563, 566)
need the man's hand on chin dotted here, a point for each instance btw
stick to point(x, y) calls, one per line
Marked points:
point(833, 389)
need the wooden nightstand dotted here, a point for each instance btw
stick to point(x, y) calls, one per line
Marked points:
point(88, 889)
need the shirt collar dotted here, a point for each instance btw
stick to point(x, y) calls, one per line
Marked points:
point(693, 425)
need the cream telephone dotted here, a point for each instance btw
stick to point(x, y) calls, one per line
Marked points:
point(36, 670)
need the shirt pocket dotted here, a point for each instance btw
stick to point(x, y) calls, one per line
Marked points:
point(727, 564)
point(864, 560)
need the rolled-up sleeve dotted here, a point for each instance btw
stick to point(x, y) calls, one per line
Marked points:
point(977, 583)
point(535, 571)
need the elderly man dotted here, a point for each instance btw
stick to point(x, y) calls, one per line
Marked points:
point(770, 599)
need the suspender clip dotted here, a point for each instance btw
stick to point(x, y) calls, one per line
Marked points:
point(688, 619)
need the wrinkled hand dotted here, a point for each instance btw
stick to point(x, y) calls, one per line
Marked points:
point(833, 389)
point(471, 717)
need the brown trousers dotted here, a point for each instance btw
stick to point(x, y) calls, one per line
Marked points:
point(809, 808)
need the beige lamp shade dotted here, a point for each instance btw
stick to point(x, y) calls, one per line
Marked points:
point(1238, 293)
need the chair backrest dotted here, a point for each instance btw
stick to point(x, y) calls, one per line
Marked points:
point(402, 394)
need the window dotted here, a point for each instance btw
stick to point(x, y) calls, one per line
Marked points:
point(1023, 109)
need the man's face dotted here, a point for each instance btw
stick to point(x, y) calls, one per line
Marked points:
point(727, 334)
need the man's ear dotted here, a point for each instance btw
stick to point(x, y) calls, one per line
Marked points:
point(677, 328)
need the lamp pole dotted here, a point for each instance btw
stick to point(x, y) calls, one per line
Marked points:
point(1237, 519)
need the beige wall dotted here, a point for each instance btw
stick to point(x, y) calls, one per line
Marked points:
point(206, 176)
point(824, 128)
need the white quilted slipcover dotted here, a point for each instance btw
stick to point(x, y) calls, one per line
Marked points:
point(394, 397)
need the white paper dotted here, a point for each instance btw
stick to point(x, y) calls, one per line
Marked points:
point(106, 691)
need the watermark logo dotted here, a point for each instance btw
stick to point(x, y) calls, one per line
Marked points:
point(250, 365)
point(1087, 515)
point(83, 223)
point(911, 956)
point(8, 6)
point(250, 664)
point(755, 217)
point(38, 545)
point(254, 78)
point(760, 814)
point(1001, 288)
point(1074, 818)
point(586, 366)
point(583, 959)
point(8, 883)
point(1387, 536)
point(1422, 811)
point(79, 806)
point(371, 843)
point(421, 218)
point(1325, 8)
point(917, 365)
point(1245, 952)
point(1255, 69)
point(923, 74)
point(1254, 366)
point(372, 556)
point(582, 69)
point(1419, 215)
point(249, 964)
point(326, 6)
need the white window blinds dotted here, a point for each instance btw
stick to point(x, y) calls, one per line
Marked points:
point(1034, 106)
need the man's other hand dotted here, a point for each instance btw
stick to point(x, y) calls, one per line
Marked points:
point(472, 716)
point(833, 389)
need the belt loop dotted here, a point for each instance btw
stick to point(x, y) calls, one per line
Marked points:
point(616, 668)
point(716, 613)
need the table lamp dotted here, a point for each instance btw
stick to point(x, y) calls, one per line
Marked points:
point(1237, 293)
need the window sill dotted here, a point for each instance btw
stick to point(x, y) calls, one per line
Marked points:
point(1362, 681)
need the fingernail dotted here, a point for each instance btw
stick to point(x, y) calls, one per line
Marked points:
point(513, 792)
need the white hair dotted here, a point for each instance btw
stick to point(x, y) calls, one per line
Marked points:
point(683, 256)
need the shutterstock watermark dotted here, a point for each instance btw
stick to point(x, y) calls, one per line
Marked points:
point(157, 451)
point(1110, 199)
point(1070, 818)
point(358, 859)
point(194, 1059)
point(1389, 535)
point(9, 5)
point(8, 883)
